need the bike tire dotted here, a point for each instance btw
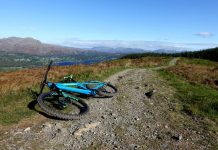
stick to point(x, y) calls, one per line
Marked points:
point(55, 112)
point(105, 90)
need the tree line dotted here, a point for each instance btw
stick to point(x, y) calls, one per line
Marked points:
point(209, 54)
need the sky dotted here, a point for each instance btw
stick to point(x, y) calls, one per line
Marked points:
point(147, 24)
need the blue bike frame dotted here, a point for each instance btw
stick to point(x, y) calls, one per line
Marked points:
point(78, 87)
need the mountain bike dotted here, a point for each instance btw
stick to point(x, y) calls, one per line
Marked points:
point(61, 101)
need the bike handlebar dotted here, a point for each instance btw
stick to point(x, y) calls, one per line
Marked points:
point(48, 68)
point(44, 80)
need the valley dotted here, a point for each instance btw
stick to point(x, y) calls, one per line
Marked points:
point(16, 61)
point(20, 53)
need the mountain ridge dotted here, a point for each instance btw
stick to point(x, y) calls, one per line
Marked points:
point(32, 46)
point(29, 45)
point(122, 50)
point(18, 52)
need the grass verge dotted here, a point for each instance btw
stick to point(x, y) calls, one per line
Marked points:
point(196, 98)
point(197, 71)
point(195, 61)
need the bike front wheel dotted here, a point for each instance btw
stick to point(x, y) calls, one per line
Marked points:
point(59, 107)
point(108, 90)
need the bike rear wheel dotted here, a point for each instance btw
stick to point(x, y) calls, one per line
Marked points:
point(58, 106)
point(108, 90)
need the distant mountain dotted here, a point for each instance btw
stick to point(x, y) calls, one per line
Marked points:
point(121, 50)
point(165, 51)
point(35, 47)
point(32, 46)
point(29, 52)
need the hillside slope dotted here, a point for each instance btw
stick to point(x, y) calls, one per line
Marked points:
point(35, 47)
point(18, 53)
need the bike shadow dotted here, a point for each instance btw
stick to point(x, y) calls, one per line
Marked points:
point(33, 105)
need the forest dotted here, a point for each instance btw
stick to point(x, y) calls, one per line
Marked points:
point(209, 54)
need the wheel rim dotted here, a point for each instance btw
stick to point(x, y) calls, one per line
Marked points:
point(62, 105)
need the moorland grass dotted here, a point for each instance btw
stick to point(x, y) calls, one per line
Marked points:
point(195, 98)
point(197, 71)
point(196, 61)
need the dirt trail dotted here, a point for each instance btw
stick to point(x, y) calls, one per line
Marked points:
point(170, 64)
point(130, 120)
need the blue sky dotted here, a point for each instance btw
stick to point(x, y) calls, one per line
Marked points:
point(84, 23)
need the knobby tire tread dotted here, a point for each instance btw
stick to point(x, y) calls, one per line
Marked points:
point(59, 115)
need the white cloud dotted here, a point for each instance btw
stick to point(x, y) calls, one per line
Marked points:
point(204, 34)
point(146, 45)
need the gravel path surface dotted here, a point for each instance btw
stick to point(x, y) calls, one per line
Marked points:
point(143, 115)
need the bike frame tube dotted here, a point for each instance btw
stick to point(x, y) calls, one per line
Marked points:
point(73, 90)
point(83, 84)
point(82, 88)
